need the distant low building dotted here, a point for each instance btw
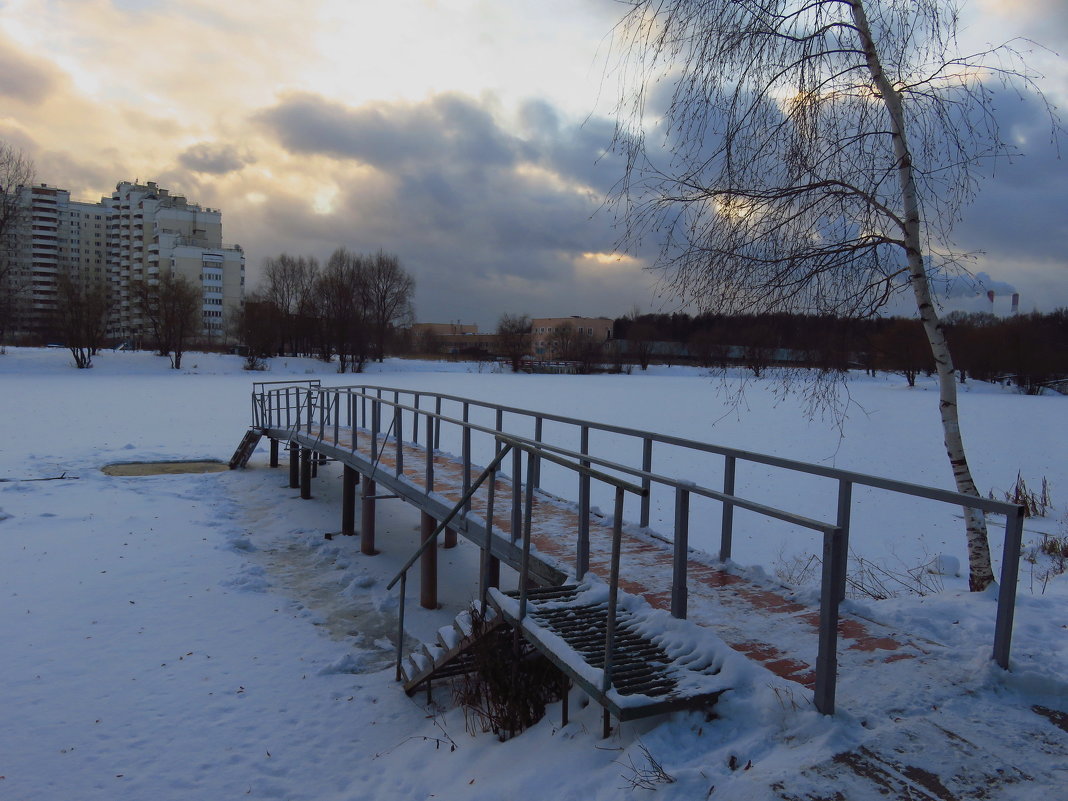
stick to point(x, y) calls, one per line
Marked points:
point(553, 338)
point(451, 338)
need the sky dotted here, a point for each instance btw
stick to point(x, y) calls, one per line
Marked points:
point(469, 137)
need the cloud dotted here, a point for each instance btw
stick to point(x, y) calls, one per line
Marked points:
point(389, 135)
point(488, 218)
point(216, 159)
point(24, 78)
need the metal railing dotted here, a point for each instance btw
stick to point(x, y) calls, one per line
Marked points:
point(355, 409)
point(534, 454)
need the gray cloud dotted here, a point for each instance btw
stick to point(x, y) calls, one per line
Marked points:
point(448, 127)
point(1018, 214)
point(487, 221)
point(491, 220)
point(23, 78)
point(216, 159)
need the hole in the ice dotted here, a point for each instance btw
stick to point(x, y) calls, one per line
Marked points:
point(163, 468)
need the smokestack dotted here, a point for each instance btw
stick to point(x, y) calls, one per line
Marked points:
point(1015, 302)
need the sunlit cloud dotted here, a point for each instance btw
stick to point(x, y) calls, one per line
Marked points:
point(469, 137)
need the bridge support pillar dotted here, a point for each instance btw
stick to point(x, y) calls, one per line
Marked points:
point(428, 565)
point(450, 537)
point(493, 571)
point(350, 478)
point(274, 453)
point(305, 473)
point(367, 517)
point(294, 465)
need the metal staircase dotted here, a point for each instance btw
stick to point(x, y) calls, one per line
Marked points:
point(449, 655)
point(638, 674)
point(245, 448)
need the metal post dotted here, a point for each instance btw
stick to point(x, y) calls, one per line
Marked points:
point(337, 414)
point(524, 569)
point(274, 453)
point(428, 565)
point(679, 590)
point(437, 425)
point(582, 546)
point(613, 596)
point(647, 466)
point(374, 430)
point(350, 478)
point(491, 565)
point(367, 517)
point(726, 531)
point(398, 422)
point(400, 624)
point(517, 493)
point(415, 421)
point(827, 656)
point(845, 499)
point(535, 475)
point(353, 419)
point(429, 453)
point(305, 473)
point(499, 426)
point(1010, 570)
point(466, 457)
point(294, 465)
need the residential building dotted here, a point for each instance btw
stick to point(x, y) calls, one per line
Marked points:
point(552, 337)
point(151, 231)
point(56, 236)
point(124, 239)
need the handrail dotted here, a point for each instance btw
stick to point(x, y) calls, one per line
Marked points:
point(516, 445)
point(449, 517)
point(835, 535)
point(879, 482)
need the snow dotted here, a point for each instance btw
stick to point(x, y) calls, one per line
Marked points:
point(195, 636)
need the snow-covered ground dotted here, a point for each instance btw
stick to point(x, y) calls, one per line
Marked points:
point(195, 636)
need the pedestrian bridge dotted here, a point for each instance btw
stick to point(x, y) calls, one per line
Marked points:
point(601, 594)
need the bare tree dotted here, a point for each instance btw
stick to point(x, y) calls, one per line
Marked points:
point(81, 316)
point(340, 292)
point(172, 306)
point(513, 338)
point(816, 154)
point(16, 175)
point(257, 325)
point(288, 283)
point(387, 297)
point(640, 341)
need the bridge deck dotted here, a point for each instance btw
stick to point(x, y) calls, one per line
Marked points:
point(719, 599)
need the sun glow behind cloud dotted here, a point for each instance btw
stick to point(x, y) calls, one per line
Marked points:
point(465, 134)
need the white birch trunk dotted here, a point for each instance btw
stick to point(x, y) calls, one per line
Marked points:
point(980, 573)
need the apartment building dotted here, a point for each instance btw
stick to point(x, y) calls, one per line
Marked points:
point(151, 231)
point(129, 237)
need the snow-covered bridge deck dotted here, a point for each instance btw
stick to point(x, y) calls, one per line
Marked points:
point(381, 434)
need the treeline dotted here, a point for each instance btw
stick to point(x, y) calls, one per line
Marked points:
point(1028, 350)
point(351, 307)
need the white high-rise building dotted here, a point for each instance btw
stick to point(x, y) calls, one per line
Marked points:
point(151, 231)
point(132, 236)
point(56, 236)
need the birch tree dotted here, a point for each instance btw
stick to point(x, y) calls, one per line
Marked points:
point(812, 157)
